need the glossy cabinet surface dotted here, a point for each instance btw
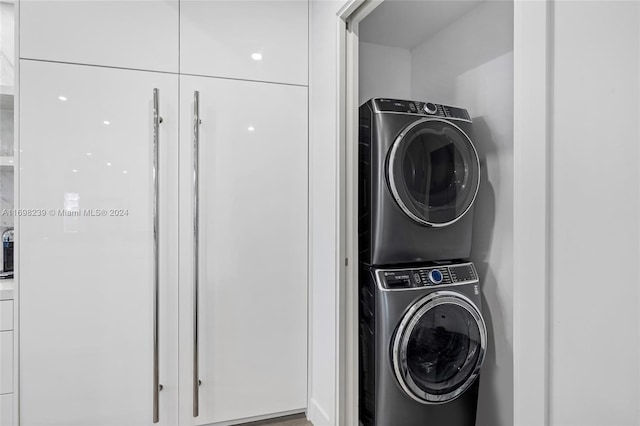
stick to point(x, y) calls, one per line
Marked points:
point(252, 250)
point(6, 315)
point(6, 362)
point(263, 40)
point(140, 34)
point(86, 285)
point(6, 410)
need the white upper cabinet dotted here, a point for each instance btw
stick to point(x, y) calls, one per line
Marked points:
point(87, 281)
point(262, 40)
point(139, 34)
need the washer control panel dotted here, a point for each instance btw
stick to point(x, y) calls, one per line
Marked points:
point(421, 108)
point(427, 276)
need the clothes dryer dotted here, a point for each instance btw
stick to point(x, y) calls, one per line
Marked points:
point(419, 174)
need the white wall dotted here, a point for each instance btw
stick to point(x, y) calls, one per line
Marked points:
point(385, 72)
point(595, 214)
point(323, 140)
point(470, 64)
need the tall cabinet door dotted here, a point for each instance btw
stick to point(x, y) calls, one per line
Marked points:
point(249, 349)
point(89, 336)
point(140, 34)
point(263, 40)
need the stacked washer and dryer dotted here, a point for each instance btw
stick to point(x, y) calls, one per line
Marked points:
point(422, 334)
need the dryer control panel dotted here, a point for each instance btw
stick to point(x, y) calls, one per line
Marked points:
point(421, 108)
point(427, 276)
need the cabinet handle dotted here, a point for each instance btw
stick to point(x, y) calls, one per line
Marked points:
point(156, 258)
point(196, 249)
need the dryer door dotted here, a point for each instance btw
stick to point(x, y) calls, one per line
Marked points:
point(439, 347)
point(433, 172)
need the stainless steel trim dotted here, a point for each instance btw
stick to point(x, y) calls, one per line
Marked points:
point(403, 333)
point(196, 251)
point(156, 257)
point(379, 275)
point(392, 182)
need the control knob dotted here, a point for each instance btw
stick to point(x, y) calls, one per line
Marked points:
point(435, 276)
point(430, 108)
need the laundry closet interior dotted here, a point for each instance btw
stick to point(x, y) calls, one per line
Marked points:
point(460, 54)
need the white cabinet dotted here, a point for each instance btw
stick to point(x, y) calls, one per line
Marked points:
point(86, 167)
point(252, 250)
point(6, 410)
point(6, 362)
point(6, 315)
point(87, 289)
point(265, 40)
point(87, 281)
point(140, 34)
point(7, 354)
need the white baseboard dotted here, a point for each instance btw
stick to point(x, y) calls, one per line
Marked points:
point(317, 415)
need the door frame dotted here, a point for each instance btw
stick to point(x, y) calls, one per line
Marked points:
point(533, 67)
point(16, 225)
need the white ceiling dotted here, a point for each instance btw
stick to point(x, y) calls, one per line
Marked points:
point(407, 23)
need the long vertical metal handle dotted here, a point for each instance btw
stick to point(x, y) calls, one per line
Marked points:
point(196, 249)
point(156, 257)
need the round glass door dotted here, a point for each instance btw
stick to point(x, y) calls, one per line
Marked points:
point(439, 347)
point(434, 172)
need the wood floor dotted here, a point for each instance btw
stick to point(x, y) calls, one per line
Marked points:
point(295, 420)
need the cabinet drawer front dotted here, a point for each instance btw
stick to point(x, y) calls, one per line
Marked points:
point(6, 362)
point(6, 410)
point(6, 315)
point(262, 40)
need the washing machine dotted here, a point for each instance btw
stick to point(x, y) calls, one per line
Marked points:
point(422, 344)
point(419, 174)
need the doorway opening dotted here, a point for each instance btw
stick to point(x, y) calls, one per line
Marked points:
point(452, 53)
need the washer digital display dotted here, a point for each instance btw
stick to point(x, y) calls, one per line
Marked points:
point(462, 273)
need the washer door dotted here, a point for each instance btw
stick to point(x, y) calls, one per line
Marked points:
point(434, 172)
point(439, 347)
